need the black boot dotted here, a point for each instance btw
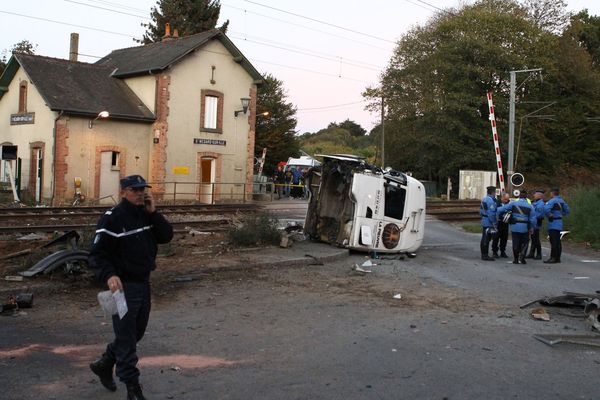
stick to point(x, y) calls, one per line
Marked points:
point(551, 261)
point(134, 391)
point(485, 257)
point(503, 254)
point(515, 257)
point(495, 254)
point(522, 259)
point(538, 256)
point(530, 255)
point(104, 369)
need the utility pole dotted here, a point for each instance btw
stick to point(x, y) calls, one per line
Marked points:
point(382, 132)
point(511, 124)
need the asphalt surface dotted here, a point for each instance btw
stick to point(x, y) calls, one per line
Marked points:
point(323, 332)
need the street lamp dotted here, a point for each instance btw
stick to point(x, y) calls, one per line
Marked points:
point(245, 104)
point(101, 114)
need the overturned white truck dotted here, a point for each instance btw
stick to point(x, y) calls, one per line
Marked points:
point(362, 207)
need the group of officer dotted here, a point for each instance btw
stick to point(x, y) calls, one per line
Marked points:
point(525, 219)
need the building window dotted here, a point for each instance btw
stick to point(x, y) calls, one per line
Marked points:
point(23, 97)
point(114, 163)
point(211, 113)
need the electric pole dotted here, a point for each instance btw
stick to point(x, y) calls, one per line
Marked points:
point(511, 124)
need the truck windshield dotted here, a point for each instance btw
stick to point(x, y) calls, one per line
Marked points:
point(395, 197)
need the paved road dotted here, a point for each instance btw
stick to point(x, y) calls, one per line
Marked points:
point(319, 332)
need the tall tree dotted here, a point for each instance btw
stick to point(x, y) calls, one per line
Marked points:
point(24, 46)
point(275, 131)
point(435, 85)
point(187, 16)
point(351, 126)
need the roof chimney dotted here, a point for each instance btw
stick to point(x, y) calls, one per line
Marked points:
point(167, 32)
point(74, 47)
point(175, 33)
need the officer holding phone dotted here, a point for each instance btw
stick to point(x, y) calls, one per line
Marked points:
point(123, 255)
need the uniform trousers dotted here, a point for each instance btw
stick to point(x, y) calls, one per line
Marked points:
point(555, 244)
point(129, 331)
point(519, 243)
point(499, 241)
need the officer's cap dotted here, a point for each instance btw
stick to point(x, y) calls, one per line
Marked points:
point(523, 193)
point(555, 190)
point(542, 191)
point(133, 181)
point(491, 188)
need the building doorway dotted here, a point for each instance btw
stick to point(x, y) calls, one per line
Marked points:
point(207, 179)
point(109, 177)
point(39, 163)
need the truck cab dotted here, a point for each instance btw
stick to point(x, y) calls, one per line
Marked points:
point(362, 207)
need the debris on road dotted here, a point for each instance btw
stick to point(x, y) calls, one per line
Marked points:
point(33, 236)
point(13, 278)
point(592, 310)
point(316, 260)
point(541, 314)
point(358, 270)
point(21, 300)
point(398, 296)
point(17, 254)
point(551, 340)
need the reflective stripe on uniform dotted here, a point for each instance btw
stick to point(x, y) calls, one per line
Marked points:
point(118, 235)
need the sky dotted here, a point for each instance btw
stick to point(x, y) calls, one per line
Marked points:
point(326, 52)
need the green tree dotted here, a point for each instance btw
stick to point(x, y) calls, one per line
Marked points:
point(187, 16)
point(351, 126)
point(336, 139)
point(24, 46)
point(437, 79)
point(587, 29)
point(275, 131)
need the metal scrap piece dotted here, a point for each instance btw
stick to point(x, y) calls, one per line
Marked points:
point(552, 339)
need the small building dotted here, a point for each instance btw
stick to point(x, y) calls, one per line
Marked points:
point(180, 112)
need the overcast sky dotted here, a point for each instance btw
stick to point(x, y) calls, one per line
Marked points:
point(325, 52)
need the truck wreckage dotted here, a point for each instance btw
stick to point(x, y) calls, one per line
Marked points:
point(362, 207)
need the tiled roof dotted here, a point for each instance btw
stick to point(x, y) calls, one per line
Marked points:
point(82, 89)
point(156, 57)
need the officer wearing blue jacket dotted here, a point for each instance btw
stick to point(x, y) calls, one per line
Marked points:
point(489, 221)
point(555, 209)
point(521, 225)
point(535, 251)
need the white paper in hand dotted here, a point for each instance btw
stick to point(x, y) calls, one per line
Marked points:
point(107, 302)
point(119, 297)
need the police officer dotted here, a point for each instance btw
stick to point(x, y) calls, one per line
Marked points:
point(521, 225)
point(535, 251)
point(123, 254)
point(499, 242)
point(555, 209)
point(489, 222)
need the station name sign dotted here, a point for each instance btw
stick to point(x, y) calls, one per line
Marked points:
point(214, 142)
point(23, 118)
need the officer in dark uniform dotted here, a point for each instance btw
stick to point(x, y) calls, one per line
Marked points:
point(123, 254)
point(535, 251)
point(521, 225)
point(555, 209)
point(499, 242)
point(489, 222)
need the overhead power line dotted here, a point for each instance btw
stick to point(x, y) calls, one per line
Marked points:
point(107, 9)
point(68, 24)
point(307, 27)
point(321, 22)
point(330, 107)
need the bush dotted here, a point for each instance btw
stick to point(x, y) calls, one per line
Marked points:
point(256, 229)
point(585, 212)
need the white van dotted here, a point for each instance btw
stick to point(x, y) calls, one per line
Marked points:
point(365, 208)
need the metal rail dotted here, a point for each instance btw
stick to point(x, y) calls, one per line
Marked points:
point(179, 226)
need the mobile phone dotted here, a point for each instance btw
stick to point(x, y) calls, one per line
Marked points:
point(146, 199)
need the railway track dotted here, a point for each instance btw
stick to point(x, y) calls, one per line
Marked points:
point(200, 217)
point(454, 210)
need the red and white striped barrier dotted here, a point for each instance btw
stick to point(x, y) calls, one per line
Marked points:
point(496, 142)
